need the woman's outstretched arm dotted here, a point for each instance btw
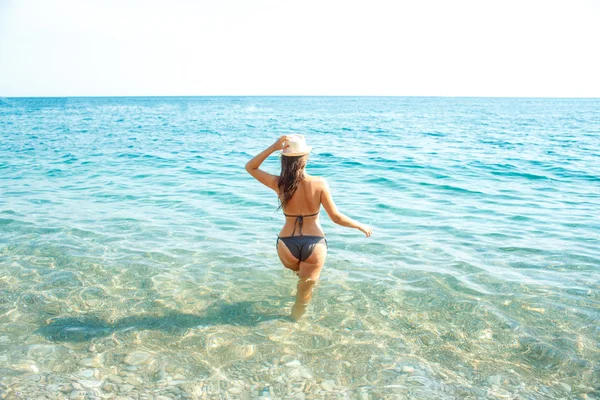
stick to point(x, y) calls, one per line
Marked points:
point(253, 165)
point(336, 216)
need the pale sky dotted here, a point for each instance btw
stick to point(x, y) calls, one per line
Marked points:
point(529, 48)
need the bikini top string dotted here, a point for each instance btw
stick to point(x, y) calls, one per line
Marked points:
point(299, 220)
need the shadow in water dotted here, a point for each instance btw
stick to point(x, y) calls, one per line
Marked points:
point(84, 328)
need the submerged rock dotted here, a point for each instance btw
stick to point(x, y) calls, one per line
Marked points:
point(293, 363)
point(86, 373)
point(137, 358)
point(94, 362)
point(564, 387)
point(77, 395)
point(495, 379)
point(328, 385)
point(89, 384)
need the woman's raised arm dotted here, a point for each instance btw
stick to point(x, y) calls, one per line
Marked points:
point(253, 165)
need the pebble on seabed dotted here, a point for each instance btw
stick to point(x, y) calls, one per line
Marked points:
point(94, 362)
point(495, 379)
point(235, 389)
point(77, 394)
point(503, 393)
point(137, 358)
point(86, 373)
point(564, 387)
point(328, 385)
point(89, 384)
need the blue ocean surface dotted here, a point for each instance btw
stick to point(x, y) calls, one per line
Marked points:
point(137, 256)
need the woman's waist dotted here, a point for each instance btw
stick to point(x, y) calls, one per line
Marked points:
point(311, 228)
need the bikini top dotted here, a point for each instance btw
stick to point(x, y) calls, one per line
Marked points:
point(299, 220)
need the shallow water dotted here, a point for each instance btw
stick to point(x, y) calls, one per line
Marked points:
point(138, 257)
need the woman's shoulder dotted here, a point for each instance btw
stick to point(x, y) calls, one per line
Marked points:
point(315, 179)
point(317, 182)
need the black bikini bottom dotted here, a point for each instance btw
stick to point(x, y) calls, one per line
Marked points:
point(301, 247)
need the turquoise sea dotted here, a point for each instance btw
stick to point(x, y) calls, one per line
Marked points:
point(137, 257)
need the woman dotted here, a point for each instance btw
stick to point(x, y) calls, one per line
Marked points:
point(301, 243)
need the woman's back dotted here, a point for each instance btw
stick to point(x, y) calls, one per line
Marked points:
point(307, 198)
point(305, 201)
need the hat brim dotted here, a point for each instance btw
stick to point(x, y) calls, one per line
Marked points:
point(301, 153)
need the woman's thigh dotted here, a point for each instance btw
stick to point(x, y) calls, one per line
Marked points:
point(312, 266)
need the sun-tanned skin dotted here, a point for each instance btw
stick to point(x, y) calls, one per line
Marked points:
point(312, 191)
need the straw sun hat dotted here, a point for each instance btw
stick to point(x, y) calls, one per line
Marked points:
point(297, 146)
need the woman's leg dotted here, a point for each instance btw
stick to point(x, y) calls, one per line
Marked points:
point(309, 273)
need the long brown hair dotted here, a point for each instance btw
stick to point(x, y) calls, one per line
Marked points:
point(292, 172)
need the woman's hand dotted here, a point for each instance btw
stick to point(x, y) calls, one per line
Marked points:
point(280, 143)
point(366, 229)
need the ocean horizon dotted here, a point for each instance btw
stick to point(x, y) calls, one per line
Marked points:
point(137, 256)
point(307, 95)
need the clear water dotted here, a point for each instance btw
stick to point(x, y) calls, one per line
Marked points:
point(138, 256)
